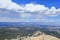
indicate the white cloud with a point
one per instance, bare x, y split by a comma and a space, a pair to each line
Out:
6, 19
35, 7
52, 12
41, 9
25, 15
8, 4
35, 12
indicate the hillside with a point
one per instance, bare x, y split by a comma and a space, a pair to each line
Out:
43, 36
29, 32
38, 35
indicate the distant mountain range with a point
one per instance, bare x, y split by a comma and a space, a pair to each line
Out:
38, 24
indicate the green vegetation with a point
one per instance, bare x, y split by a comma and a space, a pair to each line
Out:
12, 32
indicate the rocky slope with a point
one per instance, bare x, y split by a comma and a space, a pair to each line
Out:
44, 37
41, 36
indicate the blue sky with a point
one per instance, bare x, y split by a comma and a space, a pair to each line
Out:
30, 11
47, 3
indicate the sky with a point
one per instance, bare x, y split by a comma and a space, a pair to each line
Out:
47, 3
47, 11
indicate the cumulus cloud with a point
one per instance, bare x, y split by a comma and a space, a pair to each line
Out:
8, 4
53, 11
35, 7
41, 9
11, 12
